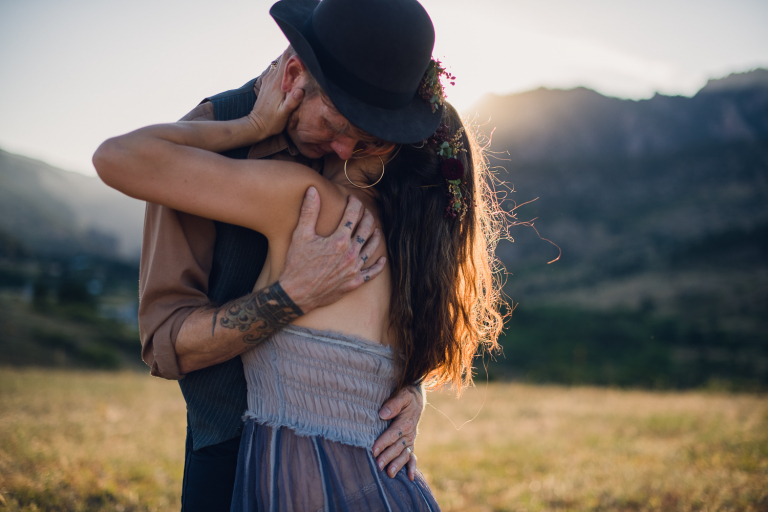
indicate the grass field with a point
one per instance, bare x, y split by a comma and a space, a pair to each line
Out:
72, 441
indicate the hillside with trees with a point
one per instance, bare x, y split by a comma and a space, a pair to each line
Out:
659, 206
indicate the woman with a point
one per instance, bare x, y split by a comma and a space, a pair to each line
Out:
314, 389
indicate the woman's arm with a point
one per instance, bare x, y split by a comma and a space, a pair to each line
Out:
158, 164
268, 117
175, 164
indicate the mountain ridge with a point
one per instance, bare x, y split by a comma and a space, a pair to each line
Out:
560, 125
42, 204
757, 77
54, 210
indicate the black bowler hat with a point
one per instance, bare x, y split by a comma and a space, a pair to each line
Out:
369, 56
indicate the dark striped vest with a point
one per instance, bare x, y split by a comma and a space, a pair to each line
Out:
216, 396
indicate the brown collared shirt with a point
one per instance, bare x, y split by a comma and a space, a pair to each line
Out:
176, 259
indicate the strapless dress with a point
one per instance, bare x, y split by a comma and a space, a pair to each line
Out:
313, 402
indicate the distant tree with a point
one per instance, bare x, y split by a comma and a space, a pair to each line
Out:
75, 292
40, 293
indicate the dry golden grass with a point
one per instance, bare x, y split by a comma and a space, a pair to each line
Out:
555, 448
106, 441
75, 441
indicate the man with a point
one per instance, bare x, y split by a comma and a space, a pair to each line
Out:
192, 268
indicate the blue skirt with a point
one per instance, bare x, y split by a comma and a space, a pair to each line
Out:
278, 470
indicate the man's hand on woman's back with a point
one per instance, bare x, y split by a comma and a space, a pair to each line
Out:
320, 270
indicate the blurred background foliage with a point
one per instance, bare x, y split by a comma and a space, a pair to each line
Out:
77, 311
660, 207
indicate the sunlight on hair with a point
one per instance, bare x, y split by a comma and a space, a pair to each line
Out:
502, 190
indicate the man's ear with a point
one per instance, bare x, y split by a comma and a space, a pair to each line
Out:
293, 75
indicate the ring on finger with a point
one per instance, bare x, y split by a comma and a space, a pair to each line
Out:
408, 449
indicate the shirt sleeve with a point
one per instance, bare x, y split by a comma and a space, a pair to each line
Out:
176, 259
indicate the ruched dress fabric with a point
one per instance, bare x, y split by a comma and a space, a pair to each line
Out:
313, 402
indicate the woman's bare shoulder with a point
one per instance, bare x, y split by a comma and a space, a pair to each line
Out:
283, 186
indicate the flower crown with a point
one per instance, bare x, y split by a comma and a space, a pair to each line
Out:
431, 88
448, 148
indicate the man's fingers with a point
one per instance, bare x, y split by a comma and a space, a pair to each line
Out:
369, 248
310, 210
401, 430
373, 271
400, 461
412, 467
364, 229
394, 458
351, 217
394, 405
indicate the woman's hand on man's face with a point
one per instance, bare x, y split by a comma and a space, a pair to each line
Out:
273, 106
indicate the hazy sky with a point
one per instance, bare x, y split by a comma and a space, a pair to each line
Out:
74, 72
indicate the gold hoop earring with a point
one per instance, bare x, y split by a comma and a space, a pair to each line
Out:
383, 168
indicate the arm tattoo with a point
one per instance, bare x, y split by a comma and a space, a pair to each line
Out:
260, 314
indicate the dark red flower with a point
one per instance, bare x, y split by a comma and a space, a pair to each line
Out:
452, 169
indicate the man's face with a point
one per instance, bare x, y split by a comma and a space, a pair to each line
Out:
318, 129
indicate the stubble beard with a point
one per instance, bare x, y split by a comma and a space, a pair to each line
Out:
293, 122
291, 129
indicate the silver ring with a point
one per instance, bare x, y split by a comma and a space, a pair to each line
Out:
409, 450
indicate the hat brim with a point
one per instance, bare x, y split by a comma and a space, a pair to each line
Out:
413, 123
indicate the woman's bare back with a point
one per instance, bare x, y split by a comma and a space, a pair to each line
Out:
363, 312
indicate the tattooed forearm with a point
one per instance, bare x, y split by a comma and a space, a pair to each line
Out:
260, 314
213, 326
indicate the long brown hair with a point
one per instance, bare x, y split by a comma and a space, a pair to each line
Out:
446, 292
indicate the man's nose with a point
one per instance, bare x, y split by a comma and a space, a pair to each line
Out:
344, 147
